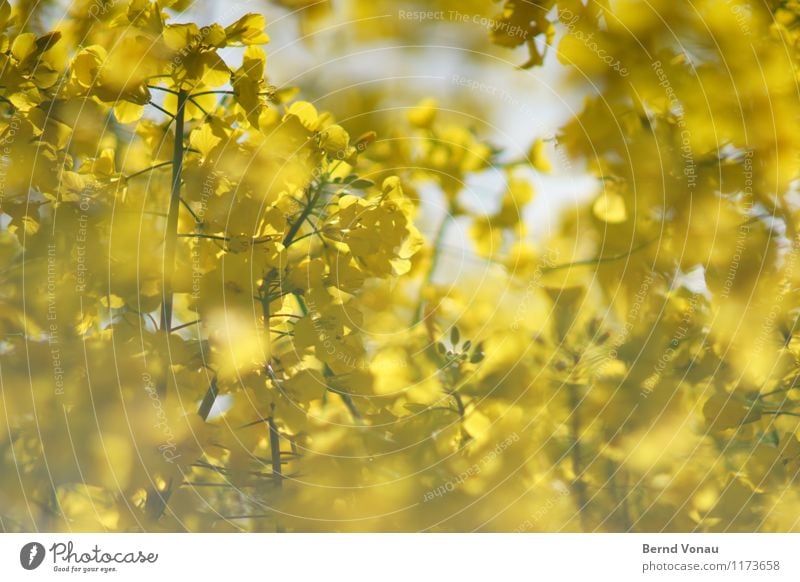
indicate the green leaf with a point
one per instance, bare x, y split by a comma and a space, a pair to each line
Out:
477, 355
362, 184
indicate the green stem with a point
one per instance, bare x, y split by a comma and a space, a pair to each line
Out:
346, 398
213, 93
211, 392
200, 107
156, 501
598, 260
208, 236
171, 240
185, 325
309, 235
208, 400
162, 110
275, 453
146, 170
192, 212
170, 247
438, 238
579, 485
275, 461
164, 89
774, 392
298, 224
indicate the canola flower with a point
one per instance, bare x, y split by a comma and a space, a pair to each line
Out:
219, 312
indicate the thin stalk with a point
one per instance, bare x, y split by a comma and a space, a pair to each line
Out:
275, 452
146, 170
781, 413
190, 211
200, 107
774, 392
577, 464
598, 260
619, 494
346, 398
211, 392
208, 400
171, 240
162, 110
145, 212
309, 235
438, 238
185, 325
164, 89
208, 236
307, 210
213, 93
156, 501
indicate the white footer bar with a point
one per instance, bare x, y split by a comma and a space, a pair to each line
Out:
390, 557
